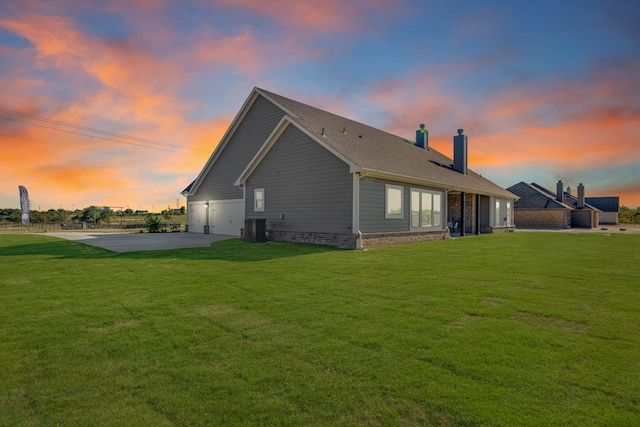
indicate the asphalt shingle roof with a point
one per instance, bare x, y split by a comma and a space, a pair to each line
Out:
379, 151
535, 196
605, 204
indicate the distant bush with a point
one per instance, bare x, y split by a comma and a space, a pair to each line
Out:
152, 223
629, 216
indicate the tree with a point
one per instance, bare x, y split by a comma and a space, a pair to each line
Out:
629, 216
168, 214
94, 214
152, 223
182, 210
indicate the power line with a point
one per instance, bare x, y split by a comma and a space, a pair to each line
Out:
81, 148
154, 144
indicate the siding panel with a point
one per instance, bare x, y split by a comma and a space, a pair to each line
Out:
252, 132
306, 183
372, 207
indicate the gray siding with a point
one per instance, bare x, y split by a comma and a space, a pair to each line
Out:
372, 207
306, 183
252, 132
485, 209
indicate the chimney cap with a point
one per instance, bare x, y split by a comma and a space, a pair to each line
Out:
421, 125
460, 131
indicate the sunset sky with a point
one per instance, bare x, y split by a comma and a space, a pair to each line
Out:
120, 103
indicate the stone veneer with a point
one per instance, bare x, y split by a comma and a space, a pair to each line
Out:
352, 241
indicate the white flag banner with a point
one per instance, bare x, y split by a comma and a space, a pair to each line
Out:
24, 205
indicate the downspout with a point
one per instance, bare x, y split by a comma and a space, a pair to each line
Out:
356, 195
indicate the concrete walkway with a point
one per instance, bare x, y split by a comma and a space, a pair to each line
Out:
136, 242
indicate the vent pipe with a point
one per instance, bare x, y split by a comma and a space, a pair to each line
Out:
580, 203
460, 152
560, 192
422, 137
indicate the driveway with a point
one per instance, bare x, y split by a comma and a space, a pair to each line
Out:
136, 242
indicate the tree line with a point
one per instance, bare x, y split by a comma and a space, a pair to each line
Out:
90, 215
629, 216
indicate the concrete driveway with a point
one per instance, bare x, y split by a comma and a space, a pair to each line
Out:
136, 242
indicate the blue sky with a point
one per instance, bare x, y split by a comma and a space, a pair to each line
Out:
544, 90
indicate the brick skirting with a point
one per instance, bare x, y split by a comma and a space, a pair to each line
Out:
353, 241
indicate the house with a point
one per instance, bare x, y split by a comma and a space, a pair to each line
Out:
307, 175
610, 207
538, 207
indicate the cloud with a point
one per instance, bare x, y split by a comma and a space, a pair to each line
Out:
324, 17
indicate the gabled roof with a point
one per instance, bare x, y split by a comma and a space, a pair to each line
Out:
605, 204
535, 196
373, 151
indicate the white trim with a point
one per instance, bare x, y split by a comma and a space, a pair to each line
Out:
286, 110
248, 103
443, 207
387, 215
271, 140
256, 208
262, 151
355, 212
435, 184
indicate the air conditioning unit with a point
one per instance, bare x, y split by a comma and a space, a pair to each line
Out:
255, 230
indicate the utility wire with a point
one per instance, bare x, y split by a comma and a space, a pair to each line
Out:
81, 148
167, 146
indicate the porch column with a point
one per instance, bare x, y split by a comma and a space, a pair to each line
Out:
463, 208
477, 214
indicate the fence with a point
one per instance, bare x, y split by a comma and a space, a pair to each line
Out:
72, 226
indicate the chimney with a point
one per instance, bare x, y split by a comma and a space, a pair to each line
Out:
422, 137
580, 203
559, 192
460, 152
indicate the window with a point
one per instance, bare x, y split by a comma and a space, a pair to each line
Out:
502, 213
258, 200
393, 202
426, 209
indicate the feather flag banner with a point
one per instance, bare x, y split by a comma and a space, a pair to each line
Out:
24, 205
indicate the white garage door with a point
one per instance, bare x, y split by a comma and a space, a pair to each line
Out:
226, 217
196, 219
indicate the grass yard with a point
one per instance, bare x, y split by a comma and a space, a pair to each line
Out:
515, 329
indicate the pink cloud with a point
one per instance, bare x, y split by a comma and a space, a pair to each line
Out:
325, 16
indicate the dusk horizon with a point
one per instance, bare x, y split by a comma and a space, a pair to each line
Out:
122, 104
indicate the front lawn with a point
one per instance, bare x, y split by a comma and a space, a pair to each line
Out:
515, 329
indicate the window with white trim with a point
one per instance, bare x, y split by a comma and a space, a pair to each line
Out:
502, 213
393, 201
258, 200
426, 209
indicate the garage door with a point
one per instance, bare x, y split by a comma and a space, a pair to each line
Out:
226, 217
196, 212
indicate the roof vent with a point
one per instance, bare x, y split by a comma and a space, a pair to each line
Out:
422, 137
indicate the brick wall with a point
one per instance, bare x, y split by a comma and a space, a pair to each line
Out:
455, 213
541, 218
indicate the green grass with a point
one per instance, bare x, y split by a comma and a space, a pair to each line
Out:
515, 329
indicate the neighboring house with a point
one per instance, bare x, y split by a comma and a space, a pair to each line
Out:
540, 208
311, 176
610, 207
